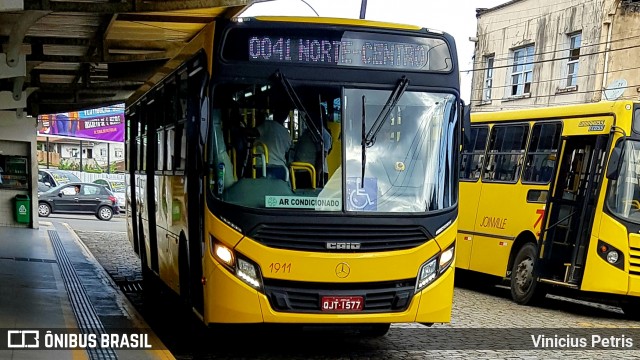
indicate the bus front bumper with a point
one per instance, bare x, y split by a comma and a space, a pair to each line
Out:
230, 300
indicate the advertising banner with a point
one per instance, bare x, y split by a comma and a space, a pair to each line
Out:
102, 124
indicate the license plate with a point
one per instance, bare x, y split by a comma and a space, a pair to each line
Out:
341, 303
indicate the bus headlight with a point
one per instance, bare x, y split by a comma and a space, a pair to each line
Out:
241, 267
611, 254
433, 268
427, 274
445, 259
248, 272
223, 254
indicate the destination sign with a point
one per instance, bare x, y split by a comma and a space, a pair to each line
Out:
345, 52
343, 49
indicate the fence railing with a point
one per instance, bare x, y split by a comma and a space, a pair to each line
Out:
90, 177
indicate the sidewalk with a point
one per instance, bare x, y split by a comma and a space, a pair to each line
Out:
50, 281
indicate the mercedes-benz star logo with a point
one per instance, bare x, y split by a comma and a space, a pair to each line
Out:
343, 270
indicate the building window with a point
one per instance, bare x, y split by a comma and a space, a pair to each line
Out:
103, 152
118, 153
574, 57
522, 71
75, 152
488, 78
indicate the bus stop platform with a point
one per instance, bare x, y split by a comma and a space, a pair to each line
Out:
52, 290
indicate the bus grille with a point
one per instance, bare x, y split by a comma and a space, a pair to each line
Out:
634, 261
293, 296
312, 237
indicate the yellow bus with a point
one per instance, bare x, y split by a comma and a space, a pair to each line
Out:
246, 162
551, 201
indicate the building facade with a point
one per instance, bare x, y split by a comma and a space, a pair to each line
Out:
94, 153
538, 53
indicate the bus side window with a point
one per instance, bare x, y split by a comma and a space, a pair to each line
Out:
541, 155
473, 153
506, 151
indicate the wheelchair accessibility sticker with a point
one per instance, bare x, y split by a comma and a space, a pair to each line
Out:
362, 198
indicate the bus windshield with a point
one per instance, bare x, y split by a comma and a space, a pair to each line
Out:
407, 168
623, 198
270, 147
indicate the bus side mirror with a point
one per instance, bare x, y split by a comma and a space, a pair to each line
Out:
613, 168
466, 121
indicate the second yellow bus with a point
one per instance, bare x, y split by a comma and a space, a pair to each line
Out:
550, 200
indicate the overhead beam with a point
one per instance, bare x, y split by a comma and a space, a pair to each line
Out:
18, 31
145, 45
136, 70
79, 6
154, 17
108, 58
128, 6
54, 72
61, 58
37, 107
170, 5
50, 40
65, 88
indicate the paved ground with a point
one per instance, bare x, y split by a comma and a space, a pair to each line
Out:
477, 313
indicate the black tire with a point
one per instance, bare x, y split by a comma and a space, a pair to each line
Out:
525, 289
151, 290
44, 209
183, 269
374, 330
104, 213
631, 308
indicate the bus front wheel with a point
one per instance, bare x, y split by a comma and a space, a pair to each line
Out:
631, 308
525, 289
374, 330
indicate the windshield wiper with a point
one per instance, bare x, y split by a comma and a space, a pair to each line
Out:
370, 138
297, 103
392, 101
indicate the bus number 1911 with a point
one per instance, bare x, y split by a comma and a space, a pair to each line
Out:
280, 267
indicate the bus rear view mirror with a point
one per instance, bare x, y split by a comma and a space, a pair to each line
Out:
613, 169
466, 121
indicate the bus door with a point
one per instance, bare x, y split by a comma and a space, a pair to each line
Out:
570, 210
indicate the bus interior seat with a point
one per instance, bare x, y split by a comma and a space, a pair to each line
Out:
277, 172
260, 154
298, 167
260, 159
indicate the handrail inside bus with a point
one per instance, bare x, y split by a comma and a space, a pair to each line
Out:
558, 222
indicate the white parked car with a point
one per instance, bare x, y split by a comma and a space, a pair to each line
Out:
117, 187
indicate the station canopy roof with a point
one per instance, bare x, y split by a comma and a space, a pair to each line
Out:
84, 54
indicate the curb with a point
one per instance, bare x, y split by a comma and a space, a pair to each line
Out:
135, 317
